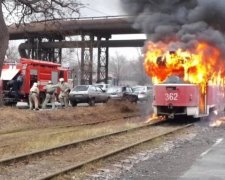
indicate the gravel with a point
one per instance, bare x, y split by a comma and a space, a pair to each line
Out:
168, 161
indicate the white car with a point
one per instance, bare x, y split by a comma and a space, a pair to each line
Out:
104, 87
144, 93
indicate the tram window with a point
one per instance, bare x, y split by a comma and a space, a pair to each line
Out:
33, 79
33, 76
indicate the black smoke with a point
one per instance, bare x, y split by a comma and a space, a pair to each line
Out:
187, 21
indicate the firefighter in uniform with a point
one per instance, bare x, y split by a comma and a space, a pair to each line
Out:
50, 95
64, 93
33, 96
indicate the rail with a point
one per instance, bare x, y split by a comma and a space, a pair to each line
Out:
56, 171
68, 169
37, 153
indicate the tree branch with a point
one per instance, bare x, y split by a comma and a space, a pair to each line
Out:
42, 10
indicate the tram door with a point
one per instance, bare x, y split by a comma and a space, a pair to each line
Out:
203, 99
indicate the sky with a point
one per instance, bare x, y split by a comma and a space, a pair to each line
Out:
101, 8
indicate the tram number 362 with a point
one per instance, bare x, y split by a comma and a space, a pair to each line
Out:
171, 96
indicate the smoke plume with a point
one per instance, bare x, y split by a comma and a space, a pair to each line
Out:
184, 21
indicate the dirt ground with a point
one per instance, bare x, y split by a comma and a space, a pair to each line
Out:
60, 159
13, 119
23, 131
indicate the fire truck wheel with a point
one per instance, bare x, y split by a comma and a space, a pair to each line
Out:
41, 98
106, 101
91, 102
73, 103
10, 103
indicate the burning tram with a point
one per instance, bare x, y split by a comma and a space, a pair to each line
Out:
175, 97
188, 83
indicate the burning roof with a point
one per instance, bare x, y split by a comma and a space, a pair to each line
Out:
192, 29
201, 65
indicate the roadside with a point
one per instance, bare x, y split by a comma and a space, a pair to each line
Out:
14, 119
28, 131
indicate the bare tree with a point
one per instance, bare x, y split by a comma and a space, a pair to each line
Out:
140, 74
116, 66
4, 37
12, 54
24, 11
129, 70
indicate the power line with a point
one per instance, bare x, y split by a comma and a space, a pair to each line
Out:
101, 12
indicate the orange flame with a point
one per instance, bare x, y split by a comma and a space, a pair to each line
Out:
154, 117
217, 123
201, 65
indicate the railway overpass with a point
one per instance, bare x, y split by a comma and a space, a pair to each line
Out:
45, 40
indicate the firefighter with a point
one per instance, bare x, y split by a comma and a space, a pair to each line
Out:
50, 95
64, 93
19, 80
33, 96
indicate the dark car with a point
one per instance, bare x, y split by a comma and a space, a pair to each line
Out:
122, 93
87, 94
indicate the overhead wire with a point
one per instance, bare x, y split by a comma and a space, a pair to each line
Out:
98, 11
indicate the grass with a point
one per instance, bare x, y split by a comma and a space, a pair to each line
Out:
46, 129
45, 140
13, 119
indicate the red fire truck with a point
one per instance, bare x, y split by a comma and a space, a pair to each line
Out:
17, 79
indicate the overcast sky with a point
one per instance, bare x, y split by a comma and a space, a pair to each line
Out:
101, 8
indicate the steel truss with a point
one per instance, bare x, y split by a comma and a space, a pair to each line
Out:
103, 61
87, 60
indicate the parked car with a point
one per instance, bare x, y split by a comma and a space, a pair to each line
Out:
122, 93
104, 87
144, 93
87, 94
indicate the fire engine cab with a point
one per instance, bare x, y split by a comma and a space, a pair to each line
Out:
17, 79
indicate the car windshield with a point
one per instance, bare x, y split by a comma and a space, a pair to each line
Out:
100, 86
114, 90
81, 88
138, 89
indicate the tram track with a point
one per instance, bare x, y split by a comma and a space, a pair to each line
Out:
19, 136
26, 155
89, 144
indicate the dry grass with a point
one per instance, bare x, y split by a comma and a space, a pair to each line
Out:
13, 119
124, 106
54, 127
39, 139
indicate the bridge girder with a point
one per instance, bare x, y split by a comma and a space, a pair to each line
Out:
55, 32
97, 27
80, 44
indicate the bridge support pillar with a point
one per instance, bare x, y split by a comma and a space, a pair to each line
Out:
103, 62
87, 60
